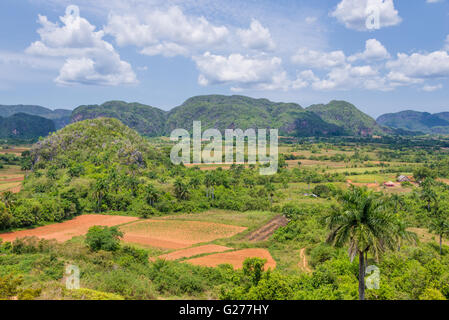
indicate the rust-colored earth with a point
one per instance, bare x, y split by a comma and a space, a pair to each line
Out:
234, 258
264, 232
66, 230
195, 251
173, 234
13, 179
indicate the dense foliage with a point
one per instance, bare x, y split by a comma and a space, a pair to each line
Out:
417, 121
144, 119
60, 117
25, 126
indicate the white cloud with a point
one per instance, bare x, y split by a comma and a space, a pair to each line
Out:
238, 69
421, 66
434, 1
349, 77
318, 59
89, 59
429, 88
256, 37
166, 49
169, 32
374, 50
304, 79
355, 13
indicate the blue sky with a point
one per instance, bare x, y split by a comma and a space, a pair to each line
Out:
381, 55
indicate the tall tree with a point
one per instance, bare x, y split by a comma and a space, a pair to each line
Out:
365, 225
440, 220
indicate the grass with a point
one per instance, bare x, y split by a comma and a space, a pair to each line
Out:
249, 219
425, 236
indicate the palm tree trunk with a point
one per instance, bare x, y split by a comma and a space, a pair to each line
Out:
441, 244
361, 276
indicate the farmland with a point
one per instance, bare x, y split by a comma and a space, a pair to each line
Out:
141, 228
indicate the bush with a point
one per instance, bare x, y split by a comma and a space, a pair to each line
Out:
322, 191
88, 294
103, 238
9, 286
5, 217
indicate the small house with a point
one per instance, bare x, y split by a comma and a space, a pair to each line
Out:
403, 178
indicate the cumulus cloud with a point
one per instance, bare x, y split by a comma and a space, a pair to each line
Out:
421, 66
354, 14
348, 77
89, 59
318, 59
374, 50
238, 69
169, 32
256, 37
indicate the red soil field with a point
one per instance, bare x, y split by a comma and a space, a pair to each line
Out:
190, 252
234, 258
66, 230
173, 234
13, 179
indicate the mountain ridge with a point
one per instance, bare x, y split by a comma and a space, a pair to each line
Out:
437, 123
336, 118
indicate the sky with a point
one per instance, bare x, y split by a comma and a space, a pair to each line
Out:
381, 55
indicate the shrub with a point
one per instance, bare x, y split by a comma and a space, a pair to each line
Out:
88, 294
9, 286
103, 238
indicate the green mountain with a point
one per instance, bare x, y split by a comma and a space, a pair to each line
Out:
25, 126
60, 117
230, 112
102, 141
348, 117
417, 121
146, 120
214, 111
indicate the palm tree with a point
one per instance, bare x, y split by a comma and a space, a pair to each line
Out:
210, 181
364, 224
440, 220
152, 195
181, 189
8, 198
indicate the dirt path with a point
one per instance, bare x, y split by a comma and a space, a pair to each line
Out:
303, 263
264, 232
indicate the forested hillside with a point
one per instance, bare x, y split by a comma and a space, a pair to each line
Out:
347, 116
425, 122
25, 126
60, 117
146, 120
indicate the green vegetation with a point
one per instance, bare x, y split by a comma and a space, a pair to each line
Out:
146, 120
102, 166
23, 126
60, 117
347, 116
103, 238
229, 112
417, 121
